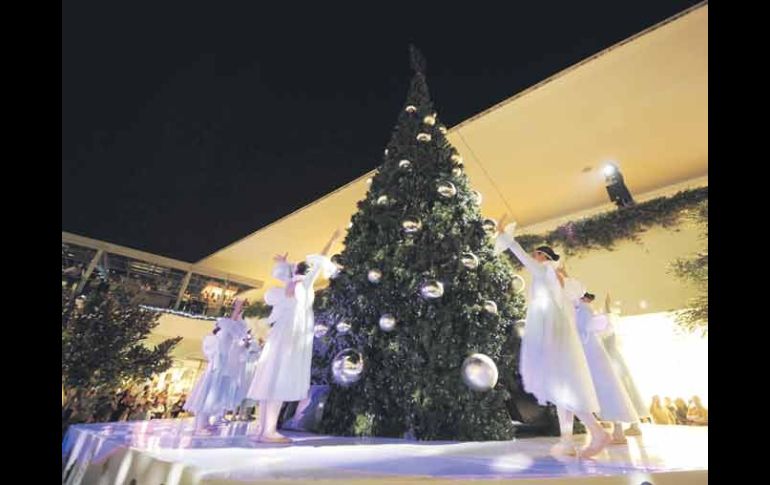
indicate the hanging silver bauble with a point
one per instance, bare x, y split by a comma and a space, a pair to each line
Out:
447, 189
518, 283
386, 152
476, 196
479, 372
382, 200
411, 225
423, 137
387, 322
347, 367
442, 129
490, 307
404, 164
457, 171
469, 260
432, 289
429, 120
342, 327
320, 330
456, 159
519, 326
490, 227
410, 109
374, 275
369, 181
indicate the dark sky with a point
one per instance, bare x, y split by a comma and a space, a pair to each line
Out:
185, 128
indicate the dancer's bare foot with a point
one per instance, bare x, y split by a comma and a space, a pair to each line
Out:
274, 438
618, 438
598, 443
634, 430
564, 448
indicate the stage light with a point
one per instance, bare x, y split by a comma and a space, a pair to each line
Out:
616, 187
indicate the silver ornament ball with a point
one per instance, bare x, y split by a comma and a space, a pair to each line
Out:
479, 373
518, 284
490, 307
347, 367
447, 189
432, 289
519, 326
404, 164
490, 227
374, 275
342, 327
387, 322
411, 225
469, 260
423, 137
320, 330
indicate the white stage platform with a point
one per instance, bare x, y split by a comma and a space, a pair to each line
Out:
167, 452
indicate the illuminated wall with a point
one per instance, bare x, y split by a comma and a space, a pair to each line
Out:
663, 360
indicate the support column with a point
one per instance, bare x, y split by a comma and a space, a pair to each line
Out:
182, 289
89, 271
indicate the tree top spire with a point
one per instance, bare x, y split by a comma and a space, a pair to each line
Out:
417, 60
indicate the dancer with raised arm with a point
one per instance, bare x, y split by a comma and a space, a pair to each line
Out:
614, 403
283, 369
216, 391
552, 363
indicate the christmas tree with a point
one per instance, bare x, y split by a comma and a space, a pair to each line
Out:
103, 346
419, 291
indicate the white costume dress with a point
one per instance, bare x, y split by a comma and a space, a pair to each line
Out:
206, 396
614, 402
232, 352
283, 369
609, 341
552, 363
249, 365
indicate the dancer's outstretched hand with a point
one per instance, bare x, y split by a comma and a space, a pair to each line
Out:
280, 258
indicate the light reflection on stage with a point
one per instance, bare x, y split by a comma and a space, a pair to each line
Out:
171, 452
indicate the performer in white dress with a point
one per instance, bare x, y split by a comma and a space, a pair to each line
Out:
610, 342
283, 369
552, 363
205, 398
249, 365
232, 353
216, 390
614, 403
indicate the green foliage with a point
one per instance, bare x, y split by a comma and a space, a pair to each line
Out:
605, 230
102, 343
256, 310
695, 271
412, 380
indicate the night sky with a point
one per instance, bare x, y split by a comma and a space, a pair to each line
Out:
186, 128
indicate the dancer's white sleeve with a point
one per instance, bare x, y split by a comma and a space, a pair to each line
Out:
320, 265
510, 243
282, 271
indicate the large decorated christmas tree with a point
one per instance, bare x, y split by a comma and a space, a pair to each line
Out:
419, 292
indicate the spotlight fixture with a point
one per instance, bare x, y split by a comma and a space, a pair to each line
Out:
616, 187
